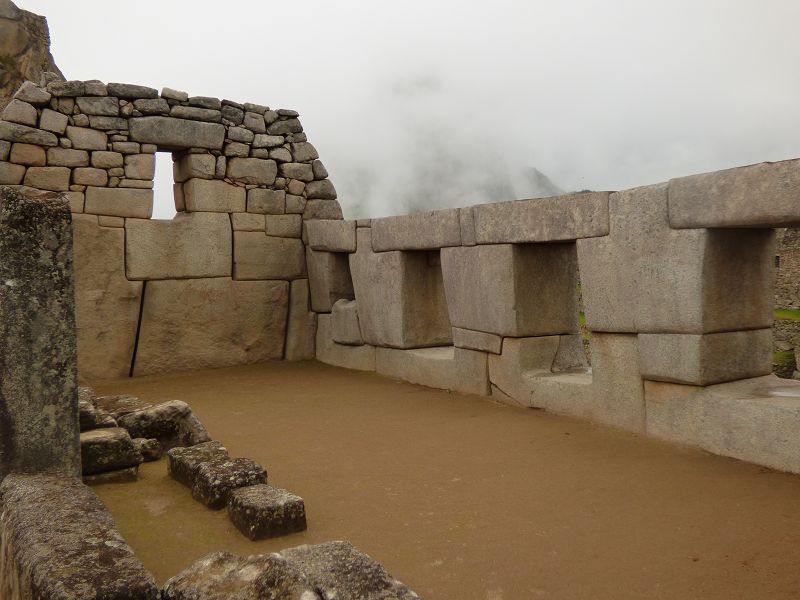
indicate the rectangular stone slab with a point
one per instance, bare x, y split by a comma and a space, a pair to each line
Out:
422, 231
260, 256
168, 132
261, 511
331, 235
762, 195
119, 202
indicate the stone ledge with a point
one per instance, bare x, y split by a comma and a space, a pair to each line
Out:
422, 231
331, 235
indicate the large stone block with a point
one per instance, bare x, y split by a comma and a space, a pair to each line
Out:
190, 245
83, 138
420, 231
108, 449
202, 166
106, 303
329, 279
361, 358
514, 290
618, 388
55, 179
262, 511
344, 319
259, 256
561, 218
443, 367
706, 359
254, 171
646, 277
11, 174
332, 235
59, 541
13, 132
119, 202
38, 381
477, 340
763, 195
757, 420
207, 323
203, 195
302, 325
169, 132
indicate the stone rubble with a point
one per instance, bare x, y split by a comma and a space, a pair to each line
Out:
108, 449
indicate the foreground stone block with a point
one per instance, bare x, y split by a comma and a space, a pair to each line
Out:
220, 323
517, 290
339, 570
168, 132
763, 195
260, 256
108, 449
706, 359
106, 303
332, 235
171, 423
38, 380
190, 245
262, 511
328, 278
422, 231
119, 202
216, 479
223, 576
682, 278
561, 218
361, 358
344, 320
213, 196
60, 542
183, 462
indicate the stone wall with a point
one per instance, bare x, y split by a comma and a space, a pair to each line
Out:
787, 280
677, 281
225, 281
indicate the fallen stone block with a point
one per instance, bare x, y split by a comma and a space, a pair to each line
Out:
224, 576
183, 462
172, 423
107, 449
89, 415
216, 479
339, 570
60, 543
150, 449
262, 511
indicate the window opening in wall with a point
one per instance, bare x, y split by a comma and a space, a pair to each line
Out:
164, 205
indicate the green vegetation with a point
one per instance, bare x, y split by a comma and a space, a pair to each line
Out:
786, 314
783, 357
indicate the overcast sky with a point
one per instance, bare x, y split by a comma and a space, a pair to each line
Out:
425, 104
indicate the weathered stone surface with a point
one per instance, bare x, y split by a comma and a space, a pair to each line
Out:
183, 462
266, 202
89, 415
344, 321
107, 449
213, 196
267, 141
262, 511
216, 479
401, 298
106, 303
59, 541
152, 106
757, 420
329, 279
255, 122
339, 570
562, 218
300, 171
361, 358
129, 90
443, 367
196, 113
706, 359
618, 389
13, 132
236, 149
169, 132
332, 235
119, 202
285, 127
302, 325
467, 223
149, 449
288, 226
512, 289
196, 337
194, 165
172, 94
247, 222
33, 94
11, 174
281, 155
83, 138
764, 195
38, 414
54, 179
69, 89
233, 114
53, 121
28, 154
223, 576
126, 475
417, 232
65, 157
119, 405
106, 123
107, 160
477, 340
171, 423
304, 152
90, 176
106, 105
106, 221
683, 278
157, 249
259, 256
241, 134
140, 166
319, 209
320, 172
20, 112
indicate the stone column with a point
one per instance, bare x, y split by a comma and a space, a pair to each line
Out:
38, 388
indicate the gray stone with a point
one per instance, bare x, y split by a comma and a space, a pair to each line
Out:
339, 570
171, 94
467, 223
95, 87
126, 147
304, 152
296, 187
183, 462
477, 340
88, 558
214, 196
103, 105
281, 155
270, 202
361, 358
108, 123
28, 154
618, 389
252, 170
32, 94
763, 195
320, 172
152, 106
107, 449
119, 202
5, 149
87, 139
300, 171
205, 102
561, 218
194, 165
237, 149
420, 231
66, 157
240, 134
322, 189
344, 323
140, 166
256, 108
216, 479
262, 511
332, 235
53, 121
321, 209
288, 226
223, 576
126, 475
285, 127
705, 359
171, 423
20, 112
329, 279
107, 160
253, 328
89, 415
233, 114
11, 174
55, 179
196, 114
127, 90
136, 183
302, 325
177, 133
69, 89
14, 132
259, 256
80, 120
150, 450
38, 414
255, 122
267, 141
270, 117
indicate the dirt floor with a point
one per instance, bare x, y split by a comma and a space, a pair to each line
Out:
461, 498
